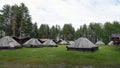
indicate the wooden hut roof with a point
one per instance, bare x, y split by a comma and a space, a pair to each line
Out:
99, 43
8, 41
110, 43
33, 41
115, 35
70, 42
82, 43
49, 43
63, 42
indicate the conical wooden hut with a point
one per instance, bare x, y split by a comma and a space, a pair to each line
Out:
49, 43
63, 42
99, 43
70, 42
9, 42
82, 44
32, 43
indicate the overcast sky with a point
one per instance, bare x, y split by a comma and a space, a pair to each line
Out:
76, 12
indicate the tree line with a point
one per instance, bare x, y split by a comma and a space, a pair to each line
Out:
98, 31
15, 20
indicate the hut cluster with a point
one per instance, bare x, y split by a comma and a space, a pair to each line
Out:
14, 42
81, 44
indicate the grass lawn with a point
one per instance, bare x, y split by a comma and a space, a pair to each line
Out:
59, 57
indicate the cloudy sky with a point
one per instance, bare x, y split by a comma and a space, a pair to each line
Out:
76, 12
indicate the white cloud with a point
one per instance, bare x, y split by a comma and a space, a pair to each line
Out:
77, 12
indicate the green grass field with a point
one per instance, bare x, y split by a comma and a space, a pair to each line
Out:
59, 57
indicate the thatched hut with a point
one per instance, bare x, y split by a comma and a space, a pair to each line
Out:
32, 43
9, 42
49, 43
99, 43
82, 44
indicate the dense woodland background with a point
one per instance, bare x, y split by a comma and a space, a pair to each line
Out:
17, 18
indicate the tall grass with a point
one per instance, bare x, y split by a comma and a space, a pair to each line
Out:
59, 56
